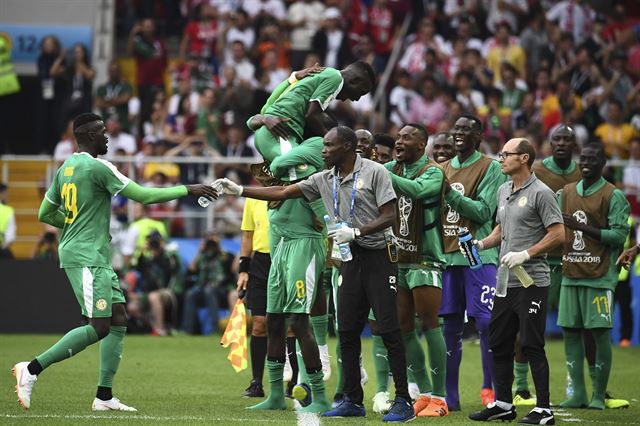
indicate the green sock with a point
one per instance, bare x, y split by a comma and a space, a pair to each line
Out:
381, 364
602, 337
302, 370
275, 400
319, 325
320, 402
437, 360
521, 371
70, 344
574, 351
110, 354
592, 375
416, 361
340, 379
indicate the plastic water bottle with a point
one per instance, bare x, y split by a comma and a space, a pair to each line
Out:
522, 275
471, 252
345, 250
204, 201
502, 281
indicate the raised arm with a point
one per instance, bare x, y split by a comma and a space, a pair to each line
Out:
272, 193
427, 185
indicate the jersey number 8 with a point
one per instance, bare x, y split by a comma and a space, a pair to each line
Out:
70, 197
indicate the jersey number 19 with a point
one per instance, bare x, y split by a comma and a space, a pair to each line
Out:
70, 197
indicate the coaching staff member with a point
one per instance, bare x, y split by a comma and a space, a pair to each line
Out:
358, 192
529, 224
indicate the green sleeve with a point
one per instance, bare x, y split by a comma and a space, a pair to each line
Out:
618, 216
427, 185
50, 214
145, 195
309, 152
327, 86
275, 95
481, 209
102, 91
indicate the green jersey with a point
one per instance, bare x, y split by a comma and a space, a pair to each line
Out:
614, 236
480, 210
428, 189
82, 188
293, 103
294, 219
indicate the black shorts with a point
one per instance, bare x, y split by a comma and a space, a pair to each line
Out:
369, 281
256, 297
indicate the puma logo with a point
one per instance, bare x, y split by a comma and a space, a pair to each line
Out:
536, 304
600, 366
393, 287
449, 353
434, 371
606, 316
385, 357
570, 364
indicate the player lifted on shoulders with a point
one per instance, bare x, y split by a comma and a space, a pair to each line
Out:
79, 202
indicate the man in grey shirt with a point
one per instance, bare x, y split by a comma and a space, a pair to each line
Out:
358, 193
529, 224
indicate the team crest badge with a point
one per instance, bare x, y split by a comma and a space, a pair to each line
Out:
101, 304
522, 201
339, 280
359, 184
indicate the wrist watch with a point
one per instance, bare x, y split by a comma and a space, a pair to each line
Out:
356, 232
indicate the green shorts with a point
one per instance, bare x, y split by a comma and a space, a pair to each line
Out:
555, 276
585, 307
296, 271
412, 278
96, 289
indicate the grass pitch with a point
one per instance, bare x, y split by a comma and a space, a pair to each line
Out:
188, 380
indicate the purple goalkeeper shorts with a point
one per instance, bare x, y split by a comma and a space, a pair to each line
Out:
465, 288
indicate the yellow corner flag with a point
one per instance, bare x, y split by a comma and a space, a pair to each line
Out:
236, 335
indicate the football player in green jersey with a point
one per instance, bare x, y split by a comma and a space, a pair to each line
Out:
79, 202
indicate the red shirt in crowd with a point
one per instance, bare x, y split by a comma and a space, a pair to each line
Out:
151, 62
381, 29
202, 37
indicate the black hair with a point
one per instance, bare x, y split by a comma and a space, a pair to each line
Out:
421, 129
384, 140
365, 68
84, 118
598, 147
526, 147
346, 135
474, 119
464, 73
508, 66
445, 135
615, 101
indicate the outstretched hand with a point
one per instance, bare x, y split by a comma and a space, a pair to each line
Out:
202, 190
229, 187
276, 126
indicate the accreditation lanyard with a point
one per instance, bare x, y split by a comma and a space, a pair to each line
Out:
336, 196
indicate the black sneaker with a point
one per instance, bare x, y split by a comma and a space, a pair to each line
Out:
337, 400
493, 412
539, 416
254, 390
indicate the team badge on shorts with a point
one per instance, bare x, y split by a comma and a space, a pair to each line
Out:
101, 304
522, 201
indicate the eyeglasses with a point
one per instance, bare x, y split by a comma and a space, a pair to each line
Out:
504, 154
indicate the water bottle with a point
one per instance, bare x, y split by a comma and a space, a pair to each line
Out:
502, 281
471, 252
522, 275
344, 249
204, 201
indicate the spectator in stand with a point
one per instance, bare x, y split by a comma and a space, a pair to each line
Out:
401, 97
363, 50
7, 224
496, 120
505, 11
535, 40
615, 134
303, 18
200, 37
275, 74
245, 70
428, 109
159, 148
413, 59
119, 139
236, 28
182, 123
236, 147
583, 72
573, 16
382, 30
504, 48
458, 11
474, 63
184, 89
150, 53
113, 97
527, 117
330, 42
469, 98
46, 247
631, 177
236, 98
50, 110
620, 83
154, 127
271, 38
261, 10
511, 94
213, 285
208, 122
80, 76
66, 146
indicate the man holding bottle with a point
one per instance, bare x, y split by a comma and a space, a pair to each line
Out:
529, 225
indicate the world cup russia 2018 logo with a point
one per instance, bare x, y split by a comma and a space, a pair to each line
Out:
452, 215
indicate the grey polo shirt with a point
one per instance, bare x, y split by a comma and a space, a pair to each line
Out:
373, 190
524, 216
